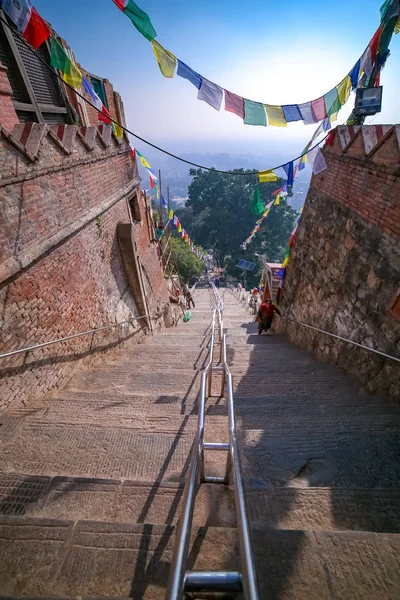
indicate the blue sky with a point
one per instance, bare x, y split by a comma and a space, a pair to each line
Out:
273, 52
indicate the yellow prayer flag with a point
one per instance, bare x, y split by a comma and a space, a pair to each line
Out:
266, 212
171, 214
266, 176
285, 262
74, 77
277, 201
304, 158
144, 162
333, 117
166, 60
275, 115
397, 26
119, 132
344, 89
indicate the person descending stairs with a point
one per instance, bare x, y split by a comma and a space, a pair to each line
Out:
92, 476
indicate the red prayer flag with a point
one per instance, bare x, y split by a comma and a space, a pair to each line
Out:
276, 191
373, 46
104, 117
134, 154
37, 31
234, 104
151, 183
120, 4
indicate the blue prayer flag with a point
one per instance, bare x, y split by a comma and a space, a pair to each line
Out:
288, 168
188, 73
354, 74
292, 112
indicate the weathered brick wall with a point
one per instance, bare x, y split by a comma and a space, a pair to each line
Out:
344, 270
64, 191
8, 116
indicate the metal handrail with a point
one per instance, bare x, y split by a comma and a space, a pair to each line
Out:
334, 335
181, 580
339, 337
71, 337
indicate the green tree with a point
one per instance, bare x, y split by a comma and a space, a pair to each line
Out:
223, 219
186, 263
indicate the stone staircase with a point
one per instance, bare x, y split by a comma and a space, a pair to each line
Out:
91, 478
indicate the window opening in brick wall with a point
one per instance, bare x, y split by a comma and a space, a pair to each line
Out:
37, 95
134, 207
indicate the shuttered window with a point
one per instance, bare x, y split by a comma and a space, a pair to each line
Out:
37, 94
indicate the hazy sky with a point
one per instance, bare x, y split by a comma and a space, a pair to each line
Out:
272, 52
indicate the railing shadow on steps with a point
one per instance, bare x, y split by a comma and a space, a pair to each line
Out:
181, 580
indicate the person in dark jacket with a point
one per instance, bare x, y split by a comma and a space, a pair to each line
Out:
265, 315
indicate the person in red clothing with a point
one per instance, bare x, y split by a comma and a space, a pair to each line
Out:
265, 315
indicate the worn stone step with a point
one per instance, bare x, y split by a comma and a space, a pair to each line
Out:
87, 450
322, 458
86, 558
125, 501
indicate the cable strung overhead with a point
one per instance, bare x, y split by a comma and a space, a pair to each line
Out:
105, 116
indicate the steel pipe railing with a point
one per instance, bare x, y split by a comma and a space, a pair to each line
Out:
181, 580
237, 295
73, 336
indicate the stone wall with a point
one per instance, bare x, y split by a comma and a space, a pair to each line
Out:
64, 190
344, 271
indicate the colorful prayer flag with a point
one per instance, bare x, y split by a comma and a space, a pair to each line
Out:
277, 200
143, 160
234, 104
332, 102
171, 214
276, 117
254, 113
307, 113
318, 108
139, 18
317, 160
59, 59
104, 114
289, 170
355, 74
119, 132
366, 61
166, 60
37, 31
344, 89
266, 176
188, 73
211, 93
256, 205
292, 112
27, 20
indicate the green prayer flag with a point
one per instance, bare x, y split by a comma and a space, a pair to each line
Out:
59, 59
140, 20
332, 102
256, 205
254, 113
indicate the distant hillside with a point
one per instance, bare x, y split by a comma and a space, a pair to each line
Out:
175, 174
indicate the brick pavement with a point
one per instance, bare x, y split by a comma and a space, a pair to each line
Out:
91, 477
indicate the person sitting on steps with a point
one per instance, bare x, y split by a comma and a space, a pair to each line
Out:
265, 316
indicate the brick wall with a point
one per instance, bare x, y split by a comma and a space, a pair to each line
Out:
8, 116
344, 271
64, 191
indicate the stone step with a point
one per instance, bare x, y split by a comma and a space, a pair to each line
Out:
322, 458
89, 450
125, 501
65, 558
